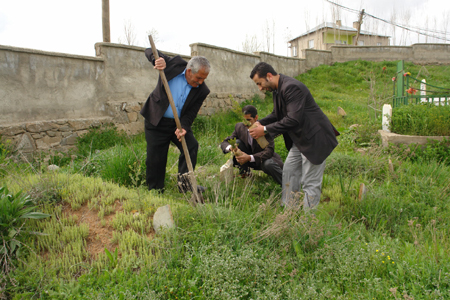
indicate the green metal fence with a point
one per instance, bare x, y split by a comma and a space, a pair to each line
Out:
404, 93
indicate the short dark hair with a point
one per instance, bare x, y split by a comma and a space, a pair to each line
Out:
249, 110
261, 69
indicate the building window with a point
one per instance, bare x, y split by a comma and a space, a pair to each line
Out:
294, 51
360, 43
338, 42
311, 44
378, 44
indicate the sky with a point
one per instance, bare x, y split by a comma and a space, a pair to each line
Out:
74, 27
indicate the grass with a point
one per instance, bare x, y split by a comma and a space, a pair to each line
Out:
392, 244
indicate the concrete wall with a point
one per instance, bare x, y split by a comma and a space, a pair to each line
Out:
48, 99
417, 53
289, 66
230, 70
37, 85
371, 53
129, 76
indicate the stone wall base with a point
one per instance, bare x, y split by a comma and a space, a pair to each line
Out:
61, 135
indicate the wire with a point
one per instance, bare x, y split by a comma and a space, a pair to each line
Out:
421, 31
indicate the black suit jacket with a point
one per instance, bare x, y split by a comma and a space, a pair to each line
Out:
301, 121
158, 101
241, 132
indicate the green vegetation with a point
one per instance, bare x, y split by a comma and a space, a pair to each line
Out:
98, 243
421, 119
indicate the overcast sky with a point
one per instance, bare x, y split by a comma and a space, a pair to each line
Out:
75, 26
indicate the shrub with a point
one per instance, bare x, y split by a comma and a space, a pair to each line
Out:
99, 139
120, 164
5, 151
423, 119
15, 209
438, 151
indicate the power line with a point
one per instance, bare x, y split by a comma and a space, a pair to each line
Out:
421, 31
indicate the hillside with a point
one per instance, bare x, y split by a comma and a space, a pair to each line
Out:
386, 241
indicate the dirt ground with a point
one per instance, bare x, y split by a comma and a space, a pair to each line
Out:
99, 236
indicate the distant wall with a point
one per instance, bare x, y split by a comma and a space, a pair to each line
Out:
48, 97
417, 53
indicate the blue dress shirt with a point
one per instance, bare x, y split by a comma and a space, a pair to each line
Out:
180, 88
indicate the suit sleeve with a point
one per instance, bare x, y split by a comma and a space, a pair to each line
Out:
269, 119
294, 98
151, 57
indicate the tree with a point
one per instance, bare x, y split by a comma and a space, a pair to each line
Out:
392, 20
406, 16
251, 44
155, 35
129, 34
269, 36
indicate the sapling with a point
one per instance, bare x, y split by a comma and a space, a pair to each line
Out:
234, 148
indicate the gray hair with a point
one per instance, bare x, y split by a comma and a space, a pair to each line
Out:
198, 62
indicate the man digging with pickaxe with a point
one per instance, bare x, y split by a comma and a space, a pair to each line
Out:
180, 91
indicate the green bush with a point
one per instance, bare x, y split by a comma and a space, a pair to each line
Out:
99, 139
15, 209
434, 150
5, 152
425, 119
119, 164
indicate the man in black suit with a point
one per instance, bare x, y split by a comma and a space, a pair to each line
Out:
186, 82
308, 134
253, 156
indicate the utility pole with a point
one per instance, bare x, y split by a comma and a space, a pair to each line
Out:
105, 22
361, 15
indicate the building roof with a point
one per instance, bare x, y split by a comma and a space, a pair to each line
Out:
334, 26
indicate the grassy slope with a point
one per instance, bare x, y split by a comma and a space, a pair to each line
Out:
241, 245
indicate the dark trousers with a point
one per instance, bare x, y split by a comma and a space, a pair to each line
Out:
269, 166
158, 140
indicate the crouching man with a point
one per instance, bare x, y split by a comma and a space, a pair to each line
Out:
251, 154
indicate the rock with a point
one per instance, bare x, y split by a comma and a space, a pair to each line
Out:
52, 168
26, 143
70, 140
131, 128
79, 124
38, 127
132, 116
341, 112
51, 133
163, 219
41, 145
12, 130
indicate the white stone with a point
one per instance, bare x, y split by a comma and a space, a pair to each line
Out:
163, 219
52, 168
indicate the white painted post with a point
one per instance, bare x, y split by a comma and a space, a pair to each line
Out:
387, 114
423, 90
